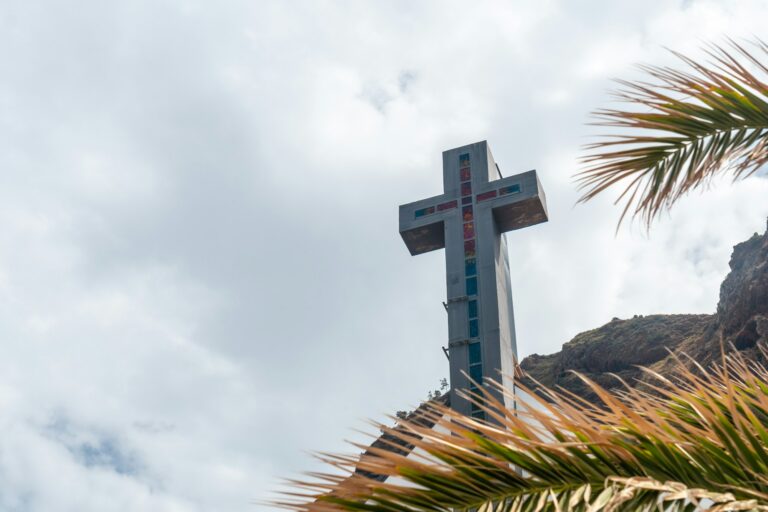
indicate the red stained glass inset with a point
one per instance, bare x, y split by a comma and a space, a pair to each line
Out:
466, 213
465, 174
466, 189
469, 230
447, 206
486, 195
469, 249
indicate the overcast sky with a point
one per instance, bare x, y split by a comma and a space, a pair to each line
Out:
201, 278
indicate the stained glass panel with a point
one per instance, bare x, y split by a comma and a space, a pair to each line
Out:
466, 200
464, 160
512, 189
466, 189
465, 174
466, 213
469, 230
472, 309
476, 373
472, 286
486, 195
470, 267
474, 328
447, 206
469, 249
424, 211
474, 353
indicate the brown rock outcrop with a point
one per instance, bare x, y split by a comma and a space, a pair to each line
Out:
622, 346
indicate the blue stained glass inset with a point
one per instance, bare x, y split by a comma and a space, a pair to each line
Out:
472, 308
474, 328
474, 353
424, 211
476, 373
470, 267
466, 200
512, 189
472, 286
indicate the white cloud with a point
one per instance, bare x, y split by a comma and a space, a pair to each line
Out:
200, 271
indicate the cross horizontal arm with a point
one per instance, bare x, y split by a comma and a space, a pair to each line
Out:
516, 201
422, 223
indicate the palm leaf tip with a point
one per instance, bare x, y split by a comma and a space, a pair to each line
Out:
681, 128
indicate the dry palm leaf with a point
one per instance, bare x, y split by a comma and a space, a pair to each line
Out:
699, 441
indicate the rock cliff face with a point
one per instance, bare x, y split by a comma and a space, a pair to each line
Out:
620, 346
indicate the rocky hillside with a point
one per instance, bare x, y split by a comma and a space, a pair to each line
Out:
621, 346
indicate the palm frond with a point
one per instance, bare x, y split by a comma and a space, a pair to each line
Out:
681, 128
698, 440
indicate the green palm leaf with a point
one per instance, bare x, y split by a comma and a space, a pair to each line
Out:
695, 441
681, 129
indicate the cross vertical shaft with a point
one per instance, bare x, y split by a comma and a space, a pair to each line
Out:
469, 220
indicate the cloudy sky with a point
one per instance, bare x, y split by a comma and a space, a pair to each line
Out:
201, 278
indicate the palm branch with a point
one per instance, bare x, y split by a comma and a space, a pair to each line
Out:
697, 440
682, 128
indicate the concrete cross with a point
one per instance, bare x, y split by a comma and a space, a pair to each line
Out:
469, 220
